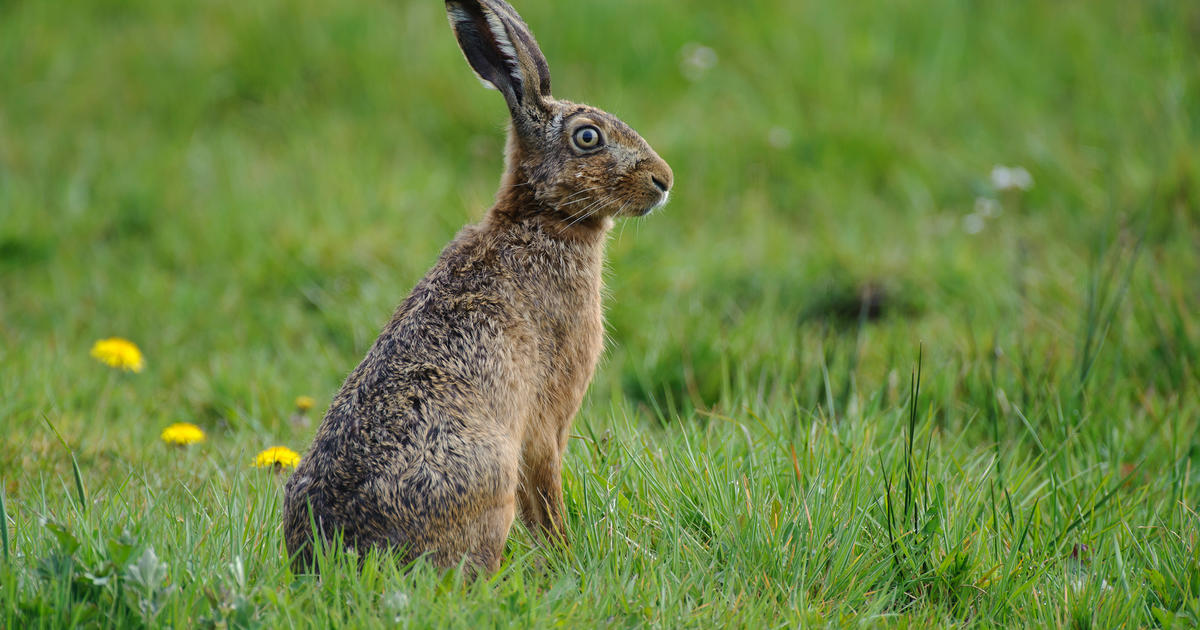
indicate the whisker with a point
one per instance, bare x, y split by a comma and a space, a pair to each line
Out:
595, 201
592, 209
570, 203
580, 192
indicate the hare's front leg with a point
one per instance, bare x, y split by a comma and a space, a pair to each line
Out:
540, 495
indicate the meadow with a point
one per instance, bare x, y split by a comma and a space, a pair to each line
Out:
914, 344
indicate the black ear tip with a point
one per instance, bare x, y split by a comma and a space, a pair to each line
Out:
461, 9
500, 49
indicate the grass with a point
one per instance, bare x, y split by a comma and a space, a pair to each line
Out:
247, 191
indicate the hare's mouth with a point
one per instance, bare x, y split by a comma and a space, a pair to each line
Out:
662, 201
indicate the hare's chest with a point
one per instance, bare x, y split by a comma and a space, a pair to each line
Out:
570, 343
575, 339
585, 346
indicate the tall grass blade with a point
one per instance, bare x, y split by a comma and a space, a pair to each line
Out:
80, 490
3, 525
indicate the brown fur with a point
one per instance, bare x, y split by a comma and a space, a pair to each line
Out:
458, 417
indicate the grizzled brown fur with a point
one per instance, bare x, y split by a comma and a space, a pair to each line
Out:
458, 417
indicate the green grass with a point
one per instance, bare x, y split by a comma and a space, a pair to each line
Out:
246, 190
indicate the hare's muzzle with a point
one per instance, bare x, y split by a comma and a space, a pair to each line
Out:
661, 179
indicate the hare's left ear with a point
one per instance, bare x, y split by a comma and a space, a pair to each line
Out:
503, 53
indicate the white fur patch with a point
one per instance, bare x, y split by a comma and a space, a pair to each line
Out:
661, 202
506, 46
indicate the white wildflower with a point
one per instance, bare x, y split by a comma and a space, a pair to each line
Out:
779, 137
987, 208
1011, 178
696, 60
973, 223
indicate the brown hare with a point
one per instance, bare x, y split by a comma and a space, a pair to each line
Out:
458, 417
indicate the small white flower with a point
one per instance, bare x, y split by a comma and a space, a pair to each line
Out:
987, 208
779, 137
696, 60
973, 223
1080, 583
1011, 178
396, 602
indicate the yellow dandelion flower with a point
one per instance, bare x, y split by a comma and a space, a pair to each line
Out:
304, 403
182, 434
119, 353
277, 456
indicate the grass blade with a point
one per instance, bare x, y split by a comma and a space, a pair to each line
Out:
3, 525
80, 490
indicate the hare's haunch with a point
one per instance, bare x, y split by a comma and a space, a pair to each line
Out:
458, 417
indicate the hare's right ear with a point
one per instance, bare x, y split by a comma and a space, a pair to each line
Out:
503, 54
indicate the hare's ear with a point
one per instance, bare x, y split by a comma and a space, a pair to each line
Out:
502, 52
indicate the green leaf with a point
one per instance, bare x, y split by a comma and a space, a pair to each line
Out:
120, 549
102, 577
66, 540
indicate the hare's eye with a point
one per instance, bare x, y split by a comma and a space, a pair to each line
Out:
586, 138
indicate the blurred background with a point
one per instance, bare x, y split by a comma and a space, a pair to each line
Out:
247, 190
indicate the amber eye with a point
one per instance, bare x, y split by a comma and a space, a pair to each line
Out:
586, 138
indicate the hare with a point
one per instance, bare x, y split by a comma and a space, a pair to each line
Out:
458, 417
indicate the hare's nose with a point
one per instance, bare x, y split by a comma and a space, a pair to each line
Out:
661, 175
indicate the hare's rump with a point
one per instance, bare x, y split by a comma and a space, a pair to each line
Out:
453, 496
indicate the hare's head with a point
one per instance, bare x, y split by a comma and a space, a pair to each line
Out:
569, 161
